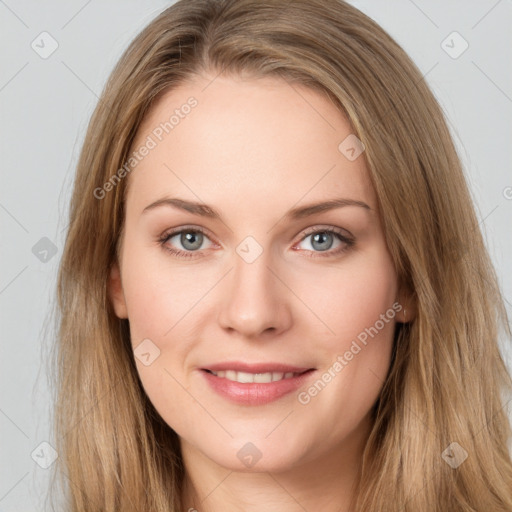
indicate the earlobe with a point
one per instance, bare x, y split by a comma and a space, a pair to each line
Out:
405, 305
115, 292
408, 312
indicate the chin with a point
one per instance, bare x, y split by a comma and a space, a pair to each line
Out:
244, 456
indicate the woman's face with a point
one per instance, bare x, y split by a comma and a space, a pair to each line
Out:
272, 286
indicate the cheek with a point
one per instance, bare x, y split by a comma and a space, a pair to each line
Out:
355, 302
358, 308
352, 296
164, 306
158, 297
159, 304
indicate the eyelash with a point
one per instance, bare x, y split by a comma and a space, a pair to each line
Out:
348, 241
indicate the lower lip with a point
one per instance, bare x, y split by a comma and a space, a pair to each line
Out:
255, 393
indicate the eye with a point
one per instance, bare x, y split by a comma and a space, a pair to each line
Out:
191, 239
322, 240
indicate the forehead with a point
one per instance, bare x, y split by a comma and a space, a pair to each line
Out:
257, 142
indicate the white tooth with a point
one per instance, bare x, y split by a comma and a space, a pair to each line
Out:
263, 377
244, 377
230, 374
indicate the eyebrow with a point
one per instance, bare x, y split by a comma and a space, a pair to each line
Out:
204, 210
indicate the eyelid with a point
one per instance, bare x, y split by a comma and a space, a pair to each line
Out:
319, 228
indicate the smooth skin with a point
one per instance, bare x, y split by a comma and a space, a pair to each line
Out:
253, 149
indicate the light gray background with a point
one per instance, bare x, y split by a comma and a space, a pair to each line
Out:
46, 105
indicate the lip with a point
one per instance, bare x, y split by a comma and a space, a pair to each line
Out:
255, 367
255, 393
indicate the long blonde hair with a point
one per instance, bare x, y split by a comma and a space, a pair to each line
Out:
447, 376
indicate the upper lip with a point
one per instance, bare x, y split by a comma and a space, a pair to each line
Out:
255, 367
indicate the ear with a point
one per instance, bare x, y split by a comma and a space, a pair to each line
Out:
115, 292
408, 311
406, 304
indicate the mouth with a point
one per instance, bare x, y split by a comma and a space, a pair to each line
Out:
255, 384
259, 378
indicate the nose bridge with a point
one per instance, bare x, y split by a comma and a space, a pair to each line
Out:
255, 300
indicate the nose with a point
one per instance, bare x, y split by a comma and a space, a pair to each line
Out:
255, 299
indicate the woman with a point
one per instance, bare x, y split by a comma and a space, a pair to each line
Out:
210, 356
